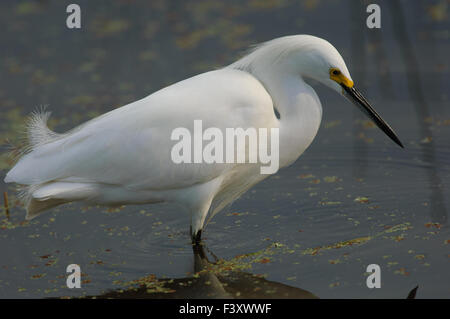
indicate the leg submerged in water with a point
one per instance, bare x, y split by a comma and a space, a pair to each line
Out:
197, 237
197, 222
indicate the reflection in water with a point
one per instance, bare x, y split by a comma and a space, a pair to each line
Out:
359, 57
427, 30
384, 75
359, 49
438, 210
208, 282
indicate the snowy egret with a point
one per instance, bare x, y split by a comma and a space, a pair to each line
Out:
123, 156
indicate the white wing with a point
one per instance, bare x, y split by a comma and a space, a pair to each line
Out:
131, 146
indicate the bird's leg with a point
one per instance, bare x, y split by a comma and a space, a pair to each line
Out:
198, 216
197, 238
197, 222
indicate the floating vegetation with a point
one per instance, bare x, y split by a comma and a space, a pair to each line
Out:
7, 224
110, 27
346, 243
331, 179
356, 241
361, 199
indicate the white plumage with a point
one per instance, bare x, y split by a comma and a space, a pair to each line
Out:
123, 156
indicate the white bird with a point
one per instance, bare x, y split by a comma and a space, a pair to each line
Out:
123, 156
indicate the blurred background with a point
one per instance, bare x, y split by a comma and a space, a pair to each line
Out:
353, 199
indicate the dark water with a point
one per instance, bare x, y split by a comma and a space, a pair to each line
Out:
352, 199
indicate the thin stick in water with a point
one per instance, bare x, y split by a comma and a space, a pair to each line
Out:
5, 201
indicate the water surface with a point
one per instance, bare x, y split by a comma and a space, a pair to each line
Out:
353, 199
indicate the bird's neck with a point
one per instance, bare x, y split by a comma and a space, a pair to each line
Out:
300, 112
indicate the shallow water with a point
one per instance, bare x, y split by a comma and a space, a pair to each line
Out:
352, 199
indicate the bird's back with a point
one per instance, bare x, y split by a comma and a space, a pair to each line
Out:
131, 145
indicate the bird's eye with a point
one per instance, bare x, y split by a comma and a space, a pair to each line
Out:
336, 72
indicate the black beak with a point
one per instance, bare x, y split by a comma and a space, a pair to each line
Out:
358, 99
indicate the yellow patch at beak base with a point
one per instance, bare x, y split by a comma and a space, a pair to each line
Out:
336, 75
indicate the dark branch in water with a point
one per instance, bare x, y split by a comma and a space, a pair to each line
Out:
412, 293
5, 202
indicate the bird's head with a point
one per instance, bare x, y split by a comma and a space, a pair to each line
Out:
310, 57
318, 59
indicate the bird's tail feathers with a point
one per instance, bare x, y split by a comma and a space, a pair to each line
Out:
39, 198
36, 134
